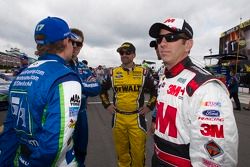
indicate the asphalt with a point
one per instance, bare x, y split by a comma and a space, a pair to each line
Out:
101, 149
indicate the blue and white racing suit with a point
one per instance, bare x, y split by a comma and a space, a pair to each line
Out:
44, 103
91, 87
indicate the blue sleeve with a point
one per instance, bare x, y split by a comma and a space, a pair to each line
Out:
91, 87
8, 142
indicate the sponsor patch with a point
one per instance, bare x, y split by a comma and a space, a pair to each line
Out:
212, 130
211, 119
181, 80
211, 104
72, 123
209, 163
175, 90
213, 149
73, 111
75, 100
211, 113
119, 76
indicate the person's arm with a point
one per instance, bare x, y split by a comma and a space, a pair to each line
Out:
8, 141
105, 86
213, 130
91, 87
151, 85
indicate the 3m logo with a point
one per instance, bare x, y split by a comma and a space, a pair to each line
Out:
168, 120
212, 130
175, 90
169, 20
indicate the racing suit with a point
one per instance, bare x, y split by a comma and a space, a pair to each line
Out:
42, 114
195, 124
129, 127
90, 88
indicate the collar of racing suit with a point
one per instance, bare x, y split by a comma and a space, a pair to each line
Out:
177, 68
128, 69
52, 57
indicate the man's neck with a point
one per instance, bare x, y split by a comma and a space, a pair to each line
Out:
170, 66
130, 65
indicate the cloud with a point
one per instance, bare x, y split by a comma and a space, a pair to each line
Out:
107, 24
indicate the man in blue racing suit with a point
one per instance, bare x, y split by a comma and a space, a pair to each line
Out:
90, 88
44, 103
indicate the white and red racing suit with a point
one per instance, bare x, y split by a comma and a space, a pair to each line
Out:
195, 124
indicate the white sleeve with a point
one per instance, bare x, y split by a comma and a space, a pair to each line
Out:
213, 130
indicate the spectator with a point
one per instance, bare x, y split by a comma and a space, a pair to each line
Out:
24, 60
85, 62
100, 73
233, 87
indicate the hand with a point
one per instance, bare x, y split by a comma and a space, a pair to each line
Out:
144, 110
91, 79
111, 109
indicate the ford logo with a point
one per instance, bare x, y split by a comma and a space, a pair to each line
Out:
211, 113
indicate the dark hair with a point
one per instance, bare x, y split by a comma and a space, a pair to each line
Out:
85, 62
77, 32
53, 48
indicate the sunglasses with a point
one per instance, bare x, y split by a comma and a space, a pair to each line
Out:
125, 52
170, 37
76, 44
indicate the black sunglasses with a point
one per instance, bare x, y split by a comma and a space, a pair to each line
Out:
125, 52
170, 37
77, 44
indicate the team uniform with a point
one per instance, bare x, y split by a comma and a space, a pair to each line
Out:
90, 88
129, 127
194, 125
42, 114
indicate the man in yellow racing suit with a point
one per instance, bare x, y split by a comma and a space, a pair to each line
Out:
129, 82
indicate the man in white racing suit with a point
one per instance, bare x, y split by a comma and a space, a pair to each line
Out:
195, 124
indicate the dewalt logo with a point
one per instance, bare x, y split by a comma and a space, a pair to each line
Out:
127, 88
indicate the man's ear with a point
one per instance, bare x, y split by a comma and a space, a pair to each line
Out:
189, 44
134, 55
66, 42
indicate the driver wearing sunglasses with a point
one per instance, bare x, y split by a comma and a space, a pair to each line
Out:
91, 87
129, 82
187, 97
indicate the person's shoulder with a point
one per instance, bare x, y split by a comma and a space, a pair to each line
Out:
201, 76
116, 68
213, 87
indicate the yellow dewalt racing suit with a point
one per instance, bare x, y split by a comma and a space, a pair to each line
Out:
129, 127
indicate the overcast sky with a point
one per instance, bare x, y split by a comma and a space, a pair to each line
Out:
108, 23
